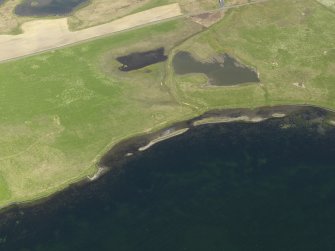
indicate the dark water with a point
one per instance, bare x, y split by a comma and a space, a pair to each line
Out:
223, 71
2, 1
139, 60
237, 187
47, 7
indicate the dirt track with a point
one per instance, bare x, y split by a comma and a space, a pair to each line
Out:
45, 35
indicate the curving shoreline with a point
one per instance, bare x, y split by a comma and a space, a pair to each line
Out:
130, 148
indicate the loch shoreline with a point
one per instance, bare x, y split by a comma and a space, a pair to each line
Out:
128, 149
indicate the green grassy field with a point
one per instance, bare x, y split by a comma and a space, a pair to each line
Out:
288, 42
61, 110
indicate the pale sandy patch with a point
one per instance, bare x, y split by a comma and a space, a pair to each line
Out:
9, 22
278, 115
219, 120
103, 11
163, 137
299, 85
42, 35
328, 3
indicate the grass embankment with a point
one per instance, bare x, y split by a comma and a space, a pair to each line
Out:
292, 45
60, 111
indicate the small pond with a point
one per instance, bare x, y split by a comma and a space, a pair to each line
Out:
224, 70
47, 7
138, 60
2, 1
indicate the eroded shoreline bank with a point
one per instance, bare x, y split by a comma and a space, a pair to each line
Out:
130, 148
22, 225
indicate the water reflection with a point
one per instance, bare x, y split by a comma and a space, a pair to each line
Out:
47, 7
237, 186
224, 70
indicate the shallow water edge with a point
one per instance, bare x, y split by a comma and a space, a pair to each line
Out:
49, 7
128, 149
221, 70
147, 184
